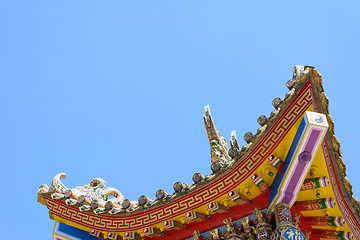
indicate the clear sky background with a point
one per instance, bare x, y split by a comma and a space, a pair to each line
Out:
117, 89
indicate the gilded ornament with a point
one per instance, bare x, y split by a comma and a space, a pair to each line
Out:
318, 80
229, 226
263, 229
51, 216
324, 102
341, 165
196, 235
348, 186
296, 221
260, 131
331, 124
273, 114
42, 189
355, 203
335, 143
41, 199
247, 234
215, 234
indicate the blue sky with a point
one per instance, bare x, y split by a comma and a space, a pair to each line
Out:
117, 89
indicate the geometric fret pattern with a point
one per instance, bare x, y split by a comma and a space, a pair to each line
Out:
241, 171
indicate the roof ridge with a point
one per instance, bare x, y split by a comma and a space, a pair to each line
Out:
58, 189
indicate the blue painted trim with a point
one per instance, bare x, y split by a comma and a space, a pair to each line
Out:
280, 176
73, 232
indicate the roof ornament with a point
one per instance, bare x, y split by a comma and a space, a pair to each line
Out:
196, 235
262, 120
247, 234
263, 229
296, 221
161, 194
298, 72
57, 182
97, 190
215, 234
229, 226
248, 137
234, 145
286, 227
219, 147
94, 195
42, 189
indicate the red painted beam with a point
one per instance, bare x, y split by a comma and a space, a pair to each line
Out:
216, 220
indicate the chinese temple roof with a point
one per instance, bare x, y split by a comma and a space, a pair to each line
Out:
258, 175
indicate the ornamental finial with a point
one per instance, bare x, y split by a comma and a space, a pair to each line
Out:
219, 147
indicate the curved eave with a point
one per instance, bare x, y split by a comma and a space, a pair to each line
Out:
330, 164
306, 94
236, 176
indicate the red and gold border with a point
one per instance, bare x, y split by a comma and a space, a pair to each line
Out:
344, 207
340, 193
241, 171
